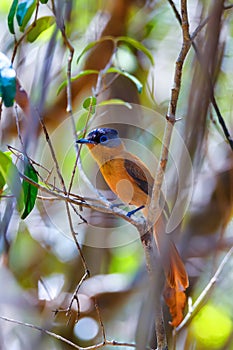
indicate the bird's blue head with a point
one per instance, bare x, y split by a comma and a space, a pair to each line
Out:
102, 136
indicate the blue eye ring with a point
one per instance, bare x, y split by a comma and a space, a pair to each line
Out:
103, 138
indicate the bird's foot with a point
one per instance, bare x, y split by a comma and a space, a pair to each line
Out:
135, 210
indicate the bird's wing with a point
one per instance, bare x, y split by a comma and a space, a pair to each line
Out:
143, 178
140, 174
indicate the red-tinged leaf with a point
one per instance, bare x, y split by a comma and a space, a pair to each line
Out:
175, 300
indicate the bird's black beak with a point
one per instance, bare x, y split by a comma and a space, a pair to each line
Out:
85, 141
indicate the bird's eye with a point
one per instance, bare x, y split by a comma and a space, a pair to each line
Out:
103, 138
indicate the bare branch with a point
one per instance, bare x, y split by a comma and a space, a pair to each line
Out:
67, 341
171, 112
205, 71
27, 31
202, 297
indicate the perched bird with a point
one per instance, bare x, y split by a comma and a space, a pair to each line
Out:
130, 179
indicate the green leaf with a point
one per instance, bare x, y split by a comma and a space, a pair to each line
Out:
43, 1
81, 74
2, 182
30, 191
87, 48
139, 46
42, 24
11, 16
127, 75
92, 44
24, 12
115, 101
10, 174
89, 104
7, 81
82, 121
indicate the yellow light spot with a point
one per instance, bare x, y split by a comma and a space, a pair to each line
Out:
211, 327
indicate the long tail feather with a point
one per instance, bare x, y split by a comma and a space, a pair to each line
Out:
173, 265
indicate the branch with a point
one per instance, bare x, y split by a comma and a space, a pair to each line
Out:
206, 71
67, 341
27, 31
73, 233
201, 299
171, 112
170, 121
139, 223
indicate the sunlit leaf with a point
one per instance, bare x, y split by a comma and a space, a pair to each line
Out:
89, 104
42, 24
2, 182
24, 12
11, 16
92, 44
30, 191
82, 120
139, 46
127, 75
115, 101
79, 75
11, 177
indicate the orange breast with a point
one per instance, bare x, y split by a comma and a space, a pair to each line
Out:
121, 183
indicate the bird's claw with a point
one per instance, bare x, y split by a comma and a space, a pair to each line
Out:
134, 211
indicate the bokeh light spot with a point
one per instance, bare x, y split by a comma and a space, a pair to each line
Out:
86, 329
211, 327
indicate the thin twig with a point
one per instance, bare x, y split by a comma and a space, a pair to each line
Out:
202, 297
170, 121
18, 129
154, 205
100, 321
114, 210
154, 270
18, 152
96, 91
53, 155
199, 28
78, 160
176, 12
67, 341
27, 31
75, 297
205, 71
74, 235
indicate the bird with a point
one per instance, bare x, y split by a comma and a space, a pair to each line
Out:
130, 179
